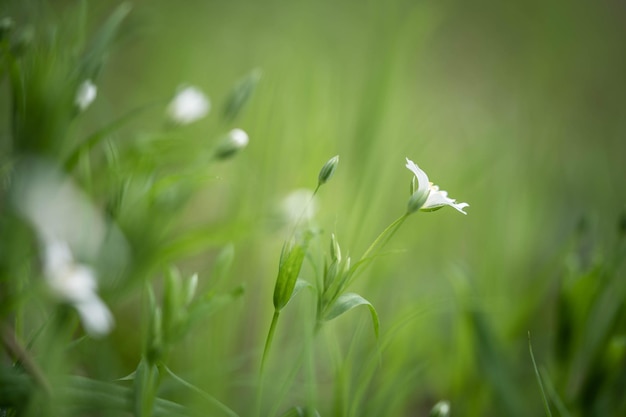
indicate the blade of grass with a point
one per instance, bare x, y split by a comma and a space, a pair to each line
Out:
546, 405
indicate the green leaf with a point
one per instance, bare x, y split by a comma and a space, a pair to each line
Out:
347, 302
87, 396
300, 285
546, 405
301, 412
97, 49
210, 303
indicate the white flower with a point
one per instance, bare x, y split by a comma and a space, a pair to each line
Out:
85, 95
76, 284
428, 197
189, 104
298, 206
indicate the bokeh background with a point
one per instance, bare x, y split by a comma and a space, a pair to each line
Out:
518, 108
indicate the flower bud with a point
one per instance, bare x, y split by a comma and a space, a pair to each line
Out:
22, 41
6, 27
291, 260
441, 409
241, 94
328, 170
234, 141
190, 287
335, 250
85, 95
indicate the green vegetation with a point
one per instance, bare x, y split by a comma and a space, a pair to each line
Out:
177, 237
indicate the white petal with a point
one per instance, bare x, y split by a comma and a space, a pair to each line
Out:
95, 316
438, 199
422, 178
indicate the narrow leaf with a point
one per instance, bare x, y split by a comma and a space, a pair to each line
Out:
543, 394
97, 49
347, 302
241, 94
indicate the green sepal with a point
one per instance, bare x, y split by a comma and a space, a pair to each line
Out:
288, 271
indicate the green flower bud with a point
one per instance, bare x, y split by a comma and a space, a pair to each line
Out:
6, 27
22, 41
240, 95
328, 170
291, 260
173, 302
190, 287
335, 250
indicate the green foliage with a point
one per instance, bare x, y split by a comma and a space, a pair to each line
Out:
169, 231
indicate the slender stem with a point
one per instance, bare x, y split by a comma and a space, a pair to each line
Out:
391, 230
268, 340
377, 244
546, 405
268, 345
12, 345
310, 367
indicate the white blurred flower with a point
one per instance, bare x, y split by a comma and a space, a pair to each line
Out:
85, 95
428, 197
298, 206
189, 104
232, 143
76, 284
57, 208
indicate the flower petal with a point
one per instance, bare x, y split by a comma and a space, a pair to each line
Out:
437, 199
422, 178
95, 316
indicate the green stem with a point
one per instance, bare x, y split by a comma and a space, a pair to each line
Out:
377, 244
310, 367
21, 355
268, 340
391, 230
268, 345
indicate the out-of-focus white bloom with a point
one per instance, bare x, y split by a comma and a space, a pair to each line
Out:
299, 206
232, 143
427, 196
76, 284
57, 208
189, 104
239, 138
85, 95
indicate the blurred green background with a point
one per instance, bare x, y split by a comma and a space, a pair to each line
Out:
518, 108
